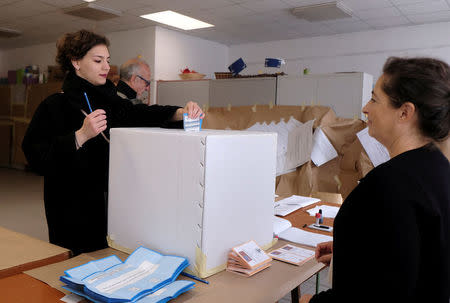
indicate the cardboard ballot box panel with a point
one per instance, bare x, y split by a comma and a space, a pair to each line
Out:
194, 194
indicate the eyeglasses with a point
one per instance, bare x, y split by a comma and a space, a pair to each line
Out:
147, 82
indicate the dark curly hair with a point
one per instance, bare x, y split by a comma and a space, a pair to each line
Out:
74, 46
425, 82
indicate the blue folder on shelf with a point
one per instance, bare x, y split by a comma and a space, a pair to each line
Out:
237, 66
146, 276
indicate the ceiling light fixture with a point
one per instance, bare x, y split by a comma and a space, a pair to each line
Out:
92, 11
177, 20
322, 12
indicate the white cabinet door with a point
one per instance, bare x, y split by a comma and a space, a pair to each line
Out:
342, 93
296, 90
180, 92
239, 92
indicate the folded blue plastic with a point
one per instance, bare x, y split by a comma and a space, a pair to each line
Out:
143, 277
273, 62
237, 66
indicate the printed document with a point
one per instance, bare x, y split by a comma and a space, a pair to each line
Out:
288, 205
376, 151
300, 236
327, 211
322, 150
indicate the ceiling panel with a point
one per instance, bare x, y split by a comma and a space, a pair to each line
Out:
430, 17
236, 21
378, 13
424, 7
388, 22
356, 5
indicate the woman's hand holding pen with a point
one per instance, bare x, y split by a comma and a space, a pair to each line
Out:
93, 124
324, 252
192, 109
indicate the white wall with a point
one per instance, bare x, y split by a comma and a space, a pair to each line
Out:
361, 51
41, 55
175, 51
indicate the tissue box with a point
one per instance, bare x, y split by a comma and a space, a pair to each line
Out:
192, 194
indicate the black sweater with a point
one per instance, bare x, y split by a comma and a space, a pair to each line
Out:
391, 236
75, 181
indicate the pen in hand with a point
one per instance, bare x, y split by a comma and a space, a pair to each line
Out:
88, 103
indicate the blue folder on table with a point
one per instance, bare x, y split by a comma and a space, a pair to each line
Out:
145, 276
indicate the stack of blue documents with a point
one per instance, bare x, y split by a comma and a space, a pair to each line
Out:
146, 276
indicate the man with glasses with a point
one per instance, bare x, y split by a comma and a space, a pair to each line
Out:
134, 81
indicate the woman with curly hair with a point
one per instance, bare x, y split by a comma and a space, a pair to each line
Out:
67, 141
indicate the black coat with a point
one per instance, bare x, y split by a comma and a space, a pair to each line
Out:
76, 181
391, 235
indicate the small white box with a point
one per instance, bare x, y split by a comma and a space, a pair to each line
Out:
193, 194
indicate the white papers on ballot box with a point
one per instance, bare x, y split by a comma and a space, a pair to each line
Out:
376, 151
322, 150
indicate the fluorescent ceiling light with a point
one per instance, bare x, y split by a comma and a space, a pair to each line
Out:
88, 0
177, 20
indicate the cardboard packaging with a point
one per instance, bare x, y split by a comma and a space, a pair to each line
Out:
193, 194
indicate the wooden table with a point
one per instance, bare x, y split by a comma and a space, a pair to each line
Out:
19, 252
270, 285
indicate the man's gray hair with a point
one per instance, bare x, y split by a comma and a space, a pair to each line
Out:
130, 68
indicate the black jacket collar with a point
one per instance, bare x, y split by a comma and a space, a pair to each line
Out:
126, 90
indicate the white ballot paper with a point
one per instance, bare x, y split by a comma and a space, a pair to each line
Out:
376, 151
251, 253
322, 150
283, 229
288, 205
327, 211
294, 142
292, 254
300, 236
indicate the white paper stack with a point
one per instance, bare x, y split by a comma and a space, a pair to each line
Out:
294, 142
288, 205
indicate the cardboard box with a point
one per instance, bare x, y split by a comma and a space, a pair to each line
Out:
5, 101
193, 194
37, 93
55, 73
6, 127
18, 157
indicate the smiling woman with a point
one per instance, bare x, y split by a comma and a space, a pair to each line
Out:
63, 143
405, 201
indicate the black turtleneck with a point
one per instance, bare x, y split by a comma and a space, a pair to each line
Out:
75, 181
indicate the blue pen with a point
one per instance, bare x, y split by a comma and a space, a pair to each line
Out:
89, 104
194, 277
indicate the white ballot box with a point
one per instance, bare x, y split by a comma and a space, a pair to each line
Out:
192, 194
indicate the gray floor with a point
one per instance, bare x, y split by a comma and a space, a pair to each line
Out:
22, 210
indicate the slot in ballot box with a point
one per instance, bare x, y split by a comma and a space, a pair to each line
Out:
193, 194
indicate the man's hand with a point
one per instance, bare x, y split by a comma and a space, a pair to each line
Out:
324, 252
192, 109
93, 124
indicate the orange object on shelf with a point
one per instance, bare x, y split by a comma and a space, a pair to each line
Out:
191, 76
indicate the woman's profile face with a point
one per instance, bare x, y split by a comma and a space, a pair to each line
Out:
381, 115
94, 66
